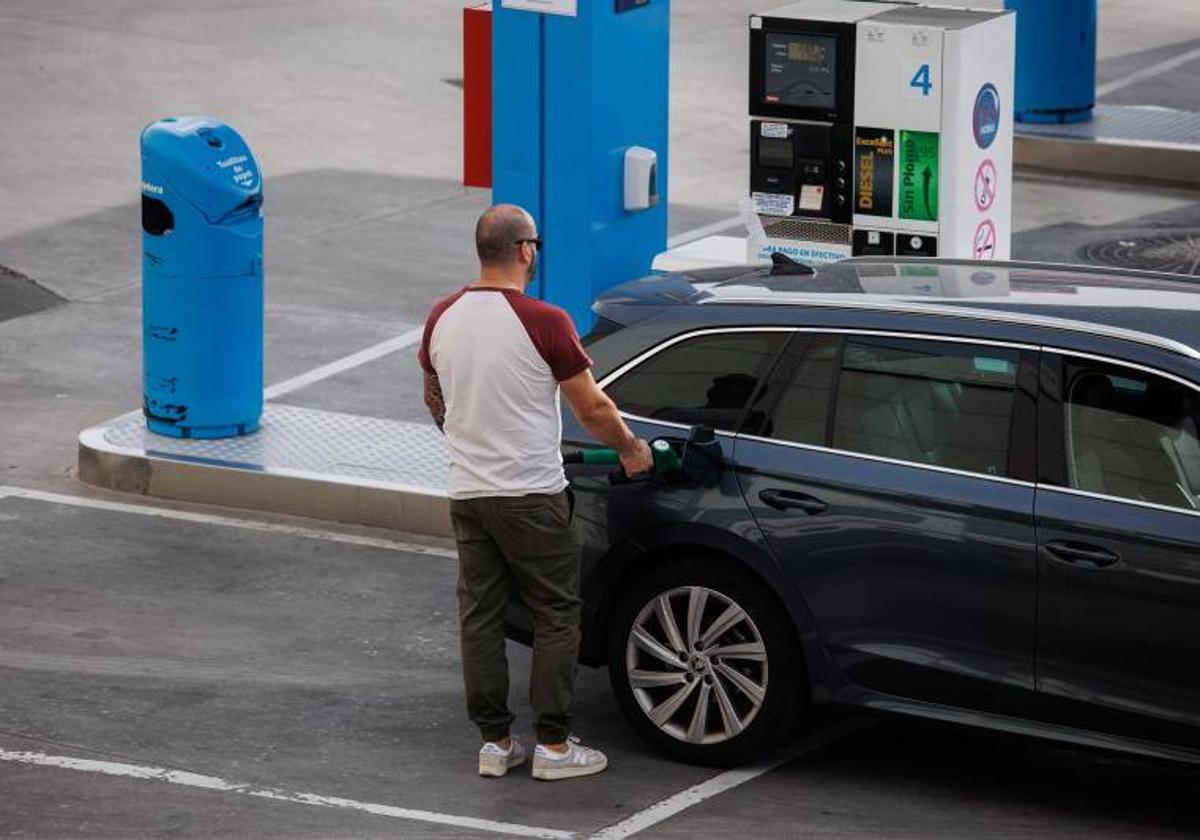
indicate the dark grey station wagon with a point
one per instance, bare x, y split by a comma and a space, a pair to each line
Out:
963, 491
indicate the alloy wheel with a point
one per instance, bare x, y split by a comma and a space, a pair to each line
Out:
697, 665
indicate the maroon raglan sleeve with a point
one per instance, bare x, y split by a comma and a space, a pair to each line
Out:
441, 306
553, 334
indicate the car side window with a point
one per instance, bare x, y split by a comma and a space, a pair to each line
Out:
1131, 434
929, 402
708, 379
801, 389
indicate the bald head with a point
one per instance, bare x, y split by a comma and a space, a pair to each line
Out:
497, 232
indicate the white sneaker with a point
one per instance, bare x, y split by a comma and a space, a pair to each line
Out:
495, 761
578, 760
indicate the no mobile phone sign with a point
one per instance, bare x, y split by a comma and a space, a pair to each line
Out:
986, 184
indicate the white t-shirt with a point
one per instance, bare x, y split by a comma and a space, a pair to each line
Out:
499, 357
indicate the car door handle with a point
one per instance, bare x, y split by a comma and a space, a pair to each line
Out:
787, 500
1079, 554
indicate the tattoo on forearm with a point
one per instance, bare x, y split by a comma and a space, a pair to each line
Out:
434, 400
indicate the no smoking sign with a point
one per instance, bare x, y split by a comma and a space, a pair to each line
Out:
985, 240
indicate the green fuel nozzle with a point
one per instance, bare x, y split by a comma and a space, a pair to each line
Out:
666, 459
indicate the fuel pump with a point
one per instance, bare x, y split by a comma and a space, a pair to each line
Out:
881, 129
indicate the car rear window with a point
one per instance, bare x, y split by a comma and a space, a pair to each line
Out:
928, 402
1132, 435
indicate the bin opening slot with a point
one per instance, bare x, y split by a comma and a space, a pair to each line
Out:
248, 209
157, 218
211, 139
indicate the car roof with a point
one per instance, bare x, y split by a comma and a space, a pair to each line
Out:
1161, 310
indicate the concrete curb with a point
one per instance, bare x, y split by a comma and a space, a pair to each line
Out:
1164, 162
332, 499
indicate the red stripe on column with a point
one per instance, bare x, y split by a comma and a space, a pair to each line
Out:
477, 95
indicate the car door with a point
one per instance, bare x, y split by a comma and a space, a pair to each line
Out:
892, 478
704, 377
1118, 517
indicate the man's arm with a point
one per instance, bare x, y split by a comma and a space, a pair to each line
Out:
434, 400
598, 414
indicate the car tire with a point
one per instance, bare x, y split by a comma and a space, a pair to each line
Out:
703, 692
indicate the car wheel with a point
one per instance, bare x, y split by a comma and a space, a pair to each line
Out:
705, 663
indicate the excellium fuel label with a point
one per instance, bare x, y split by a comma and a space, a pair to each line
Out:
874, 166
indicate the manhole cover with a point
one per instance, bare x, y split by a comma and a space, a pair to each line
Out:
1177, 252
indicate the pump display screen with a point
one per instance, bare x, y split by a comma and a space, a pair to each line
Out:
776, 153
801, 70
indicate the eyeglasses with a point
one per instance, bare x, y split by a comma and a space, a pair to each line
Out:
535, 241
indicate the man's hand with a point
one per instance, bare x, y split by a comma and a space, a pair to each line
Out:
598, 414
639, 459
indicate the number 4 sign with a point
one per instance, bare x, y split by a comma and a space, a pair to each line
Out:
922, 80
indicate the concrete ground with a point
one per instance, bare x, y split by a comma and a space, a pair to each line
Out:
257, 652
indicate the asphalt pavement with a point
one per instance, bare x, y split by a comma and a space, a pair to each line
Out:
197, 677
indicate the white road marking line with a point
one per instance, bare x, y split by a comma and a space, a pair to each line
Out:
1147, 72
669, 807
346, 363
701, 232
370, 354
408, 339
195, 780
227, 521
413, 336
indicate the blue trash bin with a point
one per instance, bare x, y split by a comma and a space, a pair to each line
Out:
202, 280
1056, 60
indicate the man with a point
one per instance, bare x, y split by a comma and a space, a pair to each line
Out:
494, 361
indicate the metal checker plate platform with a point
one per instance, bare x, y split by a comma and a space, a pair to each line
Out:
1125, 123
305, 443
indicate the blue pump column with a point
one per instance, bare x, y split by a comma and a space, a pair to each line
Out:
570, 96
1056, 60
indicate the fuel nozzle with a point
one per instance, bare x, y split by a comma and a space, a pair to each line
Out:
666, 459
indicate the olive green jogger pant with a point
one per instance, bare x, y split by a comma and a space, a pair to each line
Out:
526, 543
